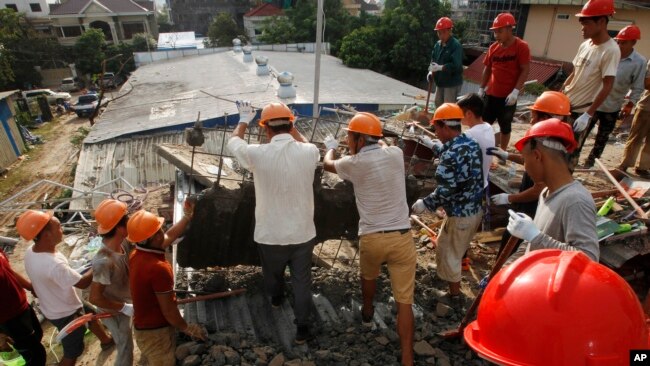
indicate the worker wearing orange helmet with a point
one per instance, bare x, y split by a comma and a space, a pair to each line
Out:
629, 79
554, 307
54, 281
110, 290
283, 171
506, 69
446, 68
565, 212
155, 312
384, 227
594, 68
550, 104
459, 192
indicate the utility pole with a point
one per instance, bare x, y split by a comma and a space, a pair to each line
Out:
319, 36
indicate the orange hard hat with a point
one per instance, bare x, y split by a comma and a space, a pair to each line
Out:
444, 23
595, 8
142, 225
552, 102
108, 213
365, 123
276, 111
503, 20
447, 111
553, 307
551, 127
31, 223
629, 33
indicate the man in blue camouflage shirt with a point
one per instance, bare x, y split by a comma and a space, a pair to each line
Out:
459, 192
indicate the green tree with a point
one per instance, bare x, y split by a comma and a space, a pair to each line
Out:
162, 19
277, 30
143, 42
223, 30
362, 49
89, 50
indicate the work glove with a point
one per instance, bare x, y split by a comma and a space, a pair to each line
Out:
246, 112
484, 282
195, 331
511, 99
434, 67
428, 142
127, 309
418, 207
6, 343
500, 199
498, 152
581, 122
330, 142
429, 77
481, 92
522, 226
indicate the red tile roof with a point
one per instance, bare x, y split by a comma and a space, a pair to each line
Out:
264, 10
539, 70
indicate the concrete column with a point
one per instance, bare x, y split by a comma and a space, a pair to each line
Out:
114, 33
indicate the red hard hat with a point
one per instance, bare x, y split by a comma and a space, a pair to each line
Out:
551, 127
444, 23
595, 8
553, 307
503, 20
629, 33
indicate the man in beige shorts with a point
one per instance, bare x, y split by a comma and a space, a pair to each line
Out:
377, 173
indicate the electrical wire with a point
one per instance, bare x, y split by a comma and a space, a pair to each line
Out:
52, 348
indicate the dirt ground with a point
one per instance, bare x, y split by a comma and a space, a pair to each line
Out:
56, 158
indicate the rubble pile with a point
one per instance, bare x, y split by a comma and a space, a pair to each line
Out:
342, 342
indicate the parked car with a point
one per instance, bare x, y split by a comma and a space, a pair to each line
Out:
110, 80
70, 84
86, 105
52, 97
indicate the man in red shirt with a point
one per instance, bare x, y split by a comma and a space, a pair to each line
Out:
18, 322
506, 69
156, 316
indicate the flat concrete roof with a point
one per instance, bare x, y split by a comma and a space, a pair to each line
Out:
168, 95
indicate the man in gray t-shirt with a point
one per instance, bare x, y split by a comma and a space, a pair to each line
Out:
110, 290
566, 213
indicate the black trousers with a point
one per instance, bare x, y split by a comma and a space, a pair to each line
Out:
606, 124
26, 332
275, 259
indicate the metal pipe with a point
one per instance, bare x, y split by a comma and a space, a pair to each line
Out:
319, 46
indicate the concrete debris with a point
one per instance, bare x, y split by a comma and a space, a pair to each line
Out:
423, 348
192, 360
443, 310
278, 360
382, 340
183, 350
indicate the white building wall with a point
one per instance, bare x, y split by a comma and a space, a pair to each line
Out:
24, 6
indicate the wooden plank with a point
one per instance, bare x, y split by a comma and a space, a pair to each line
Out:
489, 236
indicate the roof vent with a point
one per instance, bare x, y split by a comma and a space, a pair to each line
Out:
236, 45
286, 89
262, 68
248, 50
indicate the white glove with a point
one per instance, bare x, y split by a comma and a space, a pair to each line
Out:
481, 92
330, 142
498, 152
500, 199
522, 226
429, 76
418, 207
434, 67
581, 122
127, 309
246, 112
428, 142
511, 99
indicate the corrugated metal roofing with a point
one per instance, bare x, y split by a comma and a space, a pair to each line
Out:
135, 159
8, 93
539, 70
168, 95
